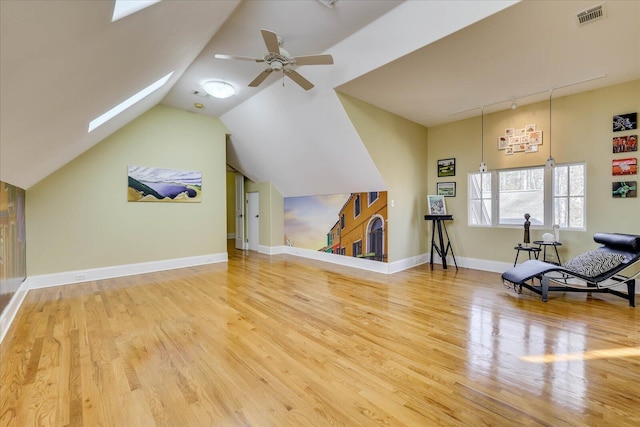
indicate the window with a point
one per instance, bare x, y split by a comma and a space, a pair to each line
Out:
98, 121
356, 206
342, 221
375, 239
357, 248
480, 199
502, 197
521, 191
569, 196
373, 196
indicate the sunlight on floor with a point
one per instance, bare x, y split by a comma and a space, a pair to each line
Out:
587, 355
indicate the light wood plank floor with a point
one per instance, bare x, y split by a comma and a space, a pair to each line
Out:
283, 341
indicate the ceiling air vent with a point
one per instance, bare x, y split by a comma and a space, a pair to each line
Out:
590, 15
328, 3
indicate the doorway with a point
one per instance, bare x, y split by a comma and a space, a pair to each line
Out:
239, 212
253, 220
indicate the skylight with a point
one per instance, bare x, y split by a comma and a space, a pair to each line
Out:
124, 8
128, 103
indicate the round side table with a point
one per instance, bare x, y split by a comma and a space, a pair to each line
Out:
528, 249
543, 245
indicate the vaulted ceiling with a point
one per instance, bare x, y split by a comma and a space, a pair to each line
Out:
63, 63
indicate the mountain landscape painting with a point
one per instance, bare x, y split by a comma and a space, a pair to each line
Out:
149, 184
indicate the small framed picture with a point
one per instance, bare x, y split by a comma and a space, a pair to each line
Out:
624, 189
535, 137
508, 151
436, 205
625, 122
509, 132
503, 142
530, 128
446, 189
624, 166
531, 148
625, 144
446, 167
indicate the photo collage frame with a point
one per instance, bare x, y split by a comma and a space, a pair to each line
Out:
523, 140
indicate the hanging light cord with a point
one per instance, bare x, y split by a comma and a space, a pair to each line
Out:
482, 134
550, 95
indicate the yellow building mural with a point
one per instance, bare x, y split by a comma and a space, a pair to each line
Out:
347, 224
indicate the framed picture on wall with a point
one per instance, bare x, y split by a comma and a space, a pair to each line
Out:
624, 166
446, 167
624, 189
446, 189
436, 205
625, 122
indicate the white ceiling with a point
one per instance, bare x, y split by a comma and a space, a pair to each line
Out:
63, 63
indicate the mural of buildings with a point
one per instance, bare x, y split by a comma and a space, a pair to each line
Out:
362, 226
13, 249
344, 224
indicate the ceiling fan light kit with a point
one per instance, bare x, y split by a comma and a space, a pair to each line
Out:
279, 60
218, 89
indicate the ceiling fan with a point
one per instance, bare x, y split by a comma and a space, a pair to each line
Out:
278, 59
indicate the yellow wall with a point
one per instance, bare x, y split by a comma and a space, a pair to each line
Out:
231, 203
398, 147
582, 132
271, 208
79, 217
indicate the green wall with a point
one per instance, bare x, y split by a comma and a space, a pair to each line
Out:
271, 208
231, 203
79, 217
398, 147
582, 132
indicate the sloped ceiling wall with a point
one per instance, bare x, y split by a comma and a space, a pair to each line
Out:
303, 142
64, 63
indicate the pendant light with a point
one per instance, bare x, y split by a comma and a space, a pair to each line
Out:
551, 162
483, 165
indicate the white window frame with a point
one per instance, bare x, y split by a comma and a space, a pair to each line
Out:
568, 197
491, 177
549, 198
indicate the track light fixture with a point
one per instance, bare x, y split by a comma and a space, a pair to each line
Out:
514, 104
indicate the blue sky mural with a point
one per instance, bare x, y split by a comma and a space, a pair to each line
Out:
307, 220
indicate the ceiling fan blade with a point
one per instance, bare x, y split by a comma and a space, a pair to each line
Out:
271, 41
296, 77
314, 60
240, 58
261, 77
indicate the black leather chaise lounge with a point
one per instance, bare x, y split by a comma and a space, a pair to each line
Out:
595, 271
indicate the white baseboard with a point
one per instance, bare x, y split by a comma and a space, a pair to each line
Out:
364, 264
400, 265
10, 311
271, 250
69, 277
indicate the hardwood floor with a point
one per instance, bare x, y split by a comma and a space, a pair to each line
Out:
283, 341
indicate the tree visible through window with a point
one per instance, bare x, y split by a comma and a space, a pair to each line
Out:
480, 199
569, 196
521, 191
